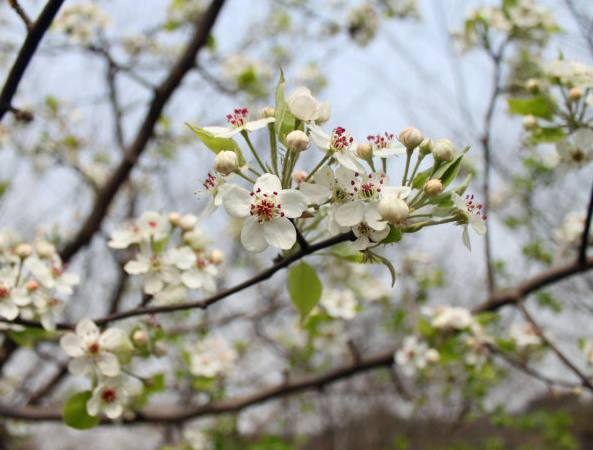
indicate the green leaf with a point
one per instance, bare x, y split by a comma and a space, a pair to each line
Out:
29, 336
449, 171
305, 288
421, 178
389, 266
395, 235
285, 121
217, 144
75, 413
538, 106
547, 134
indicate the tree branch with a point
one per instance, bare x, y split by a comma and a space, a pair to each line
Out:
162, 95
34, 36
295, 385
586, 230
14, 4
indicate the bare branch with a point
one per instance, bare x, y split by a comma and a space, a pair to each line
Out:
586, 231
14, 4
162, 95
26, 53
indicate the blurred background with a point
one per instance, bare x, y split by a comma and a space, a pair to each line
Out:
383, 66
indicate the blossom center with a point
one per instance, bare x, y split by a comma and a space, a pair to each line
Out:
474, 208
94, 348
109, 395
238, 118
341, 139
265, 206
381, 141
4, 292
210, 182
369, 188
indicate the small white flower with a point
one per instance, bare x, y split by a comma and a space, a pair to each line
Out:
339, 143
211, 357
415, 355
570, 233
110, 397
525, 335
577, 149
238, 123
385, 146
451, 317
215, 187
196, 439
92, 349
339, 304
267, 210
471, 214
305, 107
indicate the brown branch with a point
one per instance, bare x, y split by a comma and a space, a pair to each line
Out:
585, 381
14, 4
294, 385
49, 386
28, 49
586, 230
162, 95
550, 276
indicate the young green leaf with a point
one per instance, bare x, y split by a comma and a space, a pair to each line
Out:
75, 413
285, 121
217, 144
304, 287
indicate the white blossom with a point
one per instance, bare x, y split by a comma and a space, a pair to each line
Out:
339, 304
211, 357
472, 214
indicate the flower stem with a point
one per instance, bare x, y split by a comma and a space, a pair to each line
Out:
408, 158
318, 166
418, 161
273, 147
257, 158
245, 177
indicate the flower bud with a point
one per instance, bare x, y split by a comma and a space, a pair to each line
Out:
411, 138
226, 162
267, 112
323, 112
533, 85
433, 187
187, 222
394, 210
139, 338
529, 122
217, 257
23, 250
426, 146
575, 94
174, 218
297, 141
45, 249
299, 176
364, 151
32, 286
443, 150
432, 356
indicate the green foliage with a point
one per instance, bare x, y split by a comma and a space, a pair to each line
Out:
548, 301
75, 413
541, 135
395, 235
217, 144
285, 121
304, 287
29, 336
538, 106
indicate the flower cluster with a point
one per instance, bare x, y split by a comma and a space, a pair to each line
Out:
521, 20
211, 357
415, 355
33, 280
81, 22
97, 354
171, 255
339, 191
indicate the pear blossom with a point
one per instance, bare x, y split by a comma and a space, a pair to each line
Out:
150, 227
415, 355
211, 357
10, 300
525, 335
363, 24
215, 187
450, 317
307, 108
54, 276
339, 143
471, 213
196, 439
339, 304
570, 232
93, 350
81, 22
577, 149
267, 210
327, 186
385, 145
238, 123
109, 397
158, 270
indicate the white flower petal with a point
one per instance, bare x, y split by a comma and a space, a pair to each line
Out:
72, 345
87, 331
280, 233
316, 193
237, 201
108, 364
257, 124
268, 183
252, 236
79, 366
293, 202
349, 214
113, 410
346, 159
